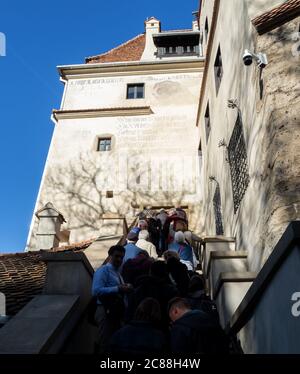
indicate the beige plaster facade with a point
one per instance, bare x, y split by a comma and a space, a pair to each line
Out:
269, 109
153, 159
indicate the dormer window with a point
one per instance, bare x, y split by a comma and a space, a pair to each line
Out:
177, 43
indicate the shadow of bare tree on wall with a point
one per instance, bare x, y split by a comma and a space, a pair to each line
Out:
78, 188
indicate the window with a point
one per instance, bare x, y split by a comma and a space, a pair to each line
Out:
218, 211
104, 144
206, 30
135, 91
200, 158
218, 70
184, 50
109, 194
207, 122
237, 157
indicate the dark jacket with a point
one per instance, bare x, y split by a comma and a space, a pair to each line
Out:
197, 332
180, 275
136, 267
148, 286
200, 301
138, 337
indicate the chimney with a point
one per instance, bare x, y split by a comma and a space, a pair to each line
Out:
195, 25
152, 26
50, 221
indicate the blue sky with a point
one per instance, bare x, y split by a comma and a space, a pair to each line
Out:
39, 36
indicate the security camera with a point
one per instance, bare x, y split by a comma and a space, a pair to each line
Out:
260, 58
247, 58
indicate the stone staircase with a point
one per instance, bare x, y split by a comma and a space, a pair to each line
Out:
226, 274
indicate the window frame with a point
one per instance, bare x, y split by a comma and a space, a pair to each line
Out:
135, 86
238, 163
217, 204
218, 69
206, 30
105, 139
207, 122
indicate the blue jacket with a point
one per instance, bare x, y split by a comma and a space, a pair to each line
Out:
131, 251
184, 250
106, 280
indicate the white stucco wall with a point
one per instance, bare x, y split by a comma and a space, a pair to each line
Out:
160, 149
266, 208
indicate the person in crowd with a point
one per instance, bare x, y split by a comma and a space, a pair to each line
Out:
188, 235
181, 213
178, 272
131, 249
199, 300
136, 267
161, 218
174, 222
156, 285
184, 250
194, 331
143, 224
154, 227
109, 289
145, 244
142, 335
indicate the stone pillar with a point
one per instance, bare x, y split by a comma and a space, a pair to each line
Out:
50, 221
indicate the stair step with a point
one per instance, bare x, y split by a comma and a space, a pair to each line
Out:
213, 244
229, 292
225, 261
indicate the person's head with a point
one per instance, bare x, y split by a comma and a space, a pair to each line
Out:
159, 270
178, 307
188, 236
170, 254
148, 311
133, 235
196, 283
179, 237
143, 225
162, 211
144, 234
116, 254
172, 211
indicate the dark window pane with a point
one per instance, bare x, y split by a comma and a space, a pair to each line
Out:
140, 92
130, 92
104, 145
237, 156
218, 67
218, 211
207, 122
135, 91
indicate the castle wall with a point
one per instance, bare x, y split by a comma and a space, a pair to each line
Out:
271, 131
154, 157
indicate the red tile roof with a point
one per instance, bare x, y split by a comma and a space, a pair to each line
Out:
76, 247
277, 16
132, 50
22, 275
